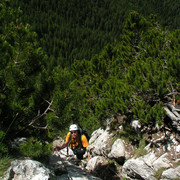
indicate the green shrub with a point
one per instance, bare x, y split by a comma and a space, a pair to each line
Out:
3, 147
35, 149
129, 135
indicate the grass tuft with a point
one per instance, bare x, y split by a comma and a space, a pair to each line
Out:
5, 162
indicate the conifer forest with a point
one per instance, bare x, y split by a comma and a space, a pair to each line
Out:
83, 62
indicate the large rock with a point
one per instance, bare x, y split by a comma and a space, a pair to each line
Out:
33, 170
29, 170
118, 151
101, 167
162, 162
146, 166
171, 173
94, 162
100, 143
95, 135
140, 168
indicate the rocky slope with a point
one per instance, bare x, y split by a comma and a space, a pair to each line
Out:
111, 158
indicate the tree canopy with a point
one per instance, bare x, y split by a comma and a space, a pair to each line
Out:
78, 29
22, 73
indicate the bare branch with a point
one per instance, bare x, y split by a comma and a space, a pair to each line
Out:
172, 93
39, 115
48, 108
38, 127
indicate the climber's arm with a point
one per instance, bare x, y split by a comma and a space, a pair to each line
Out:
63, 146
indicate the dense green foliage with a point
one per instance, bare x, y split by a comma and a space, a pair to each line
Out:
134, 78
43, 92
21, 74
35, 149
79, 29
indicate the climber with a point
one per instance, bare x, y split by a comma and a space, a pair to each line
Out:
78, 142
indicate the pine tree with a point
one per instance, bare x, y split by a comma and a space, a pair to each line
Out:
22, 75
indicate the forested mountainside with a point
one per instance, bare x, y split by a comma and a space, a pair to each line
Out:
135, 74
78, 29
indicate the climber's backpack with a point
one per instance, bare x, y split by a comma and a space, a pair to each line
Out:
84, 132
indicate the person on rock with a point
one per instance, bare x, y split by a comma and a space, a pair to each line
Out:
76, 141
